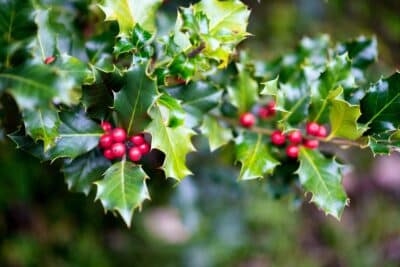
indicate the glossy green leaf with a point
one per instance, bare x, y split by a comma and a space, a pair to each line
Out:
40, 85
293, 100
217, 134
139, 43
323, 179
129, 12
380, 107
227, 27
252, 151
270, 87
384, 143
173, 140
77, 135
27, 144
338, 72
82, 172
243, 93
123, 189
134, 100
16, 30
343, 118
42, 124
197, 98
97, 98
362, 51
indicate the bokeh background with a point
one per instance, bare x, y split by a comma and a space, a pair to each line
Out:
211, 219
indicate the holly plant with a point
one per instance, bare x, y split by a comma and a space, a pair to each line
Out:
103, 86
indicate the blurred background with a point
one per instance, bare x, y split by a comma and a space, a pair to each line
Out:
210, 219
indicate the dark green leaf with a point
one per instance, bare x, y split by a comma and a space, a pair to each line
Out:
380, 107
134, 100
42, 124
82, 172
77, 135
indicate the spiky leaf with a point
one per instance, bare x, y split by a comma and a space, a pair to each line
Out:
322, 178
123, 189
380, 106
134, 100
129, 12
82, 172
173, 139
217, 135
253, 153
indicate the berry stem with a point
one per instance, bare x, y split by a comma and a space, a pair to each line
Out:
265, 131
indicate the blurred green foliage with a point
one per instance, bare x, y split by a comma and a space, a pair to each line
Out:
211, 219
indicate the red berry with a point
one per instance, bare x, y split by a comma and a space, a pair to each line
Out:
263, 113
295, 137
108, 154
144, 148
292, 151
106, 126
311, 144
138, 140
106, 141
118, 150
322, 132
278, 138
312, 128
271, 108
135, 154
247, 119
118, 135
49, 60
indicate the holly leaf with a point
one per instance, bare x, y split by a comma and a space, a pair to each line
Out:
270, 87
82, 172
123, 189
27, 144
322, 178
380, 107
337, 73
217, 135
97, 98
243, 93
226, 29
293, 100
16, 30
39, 85
197, 98
343, 117
384, 143
173, 139
362, 51
77, 135
134, 100
130, 12
139, 43
42, 124
252, 152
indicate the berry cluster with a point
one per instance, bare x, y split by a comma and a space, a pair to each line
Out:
268, 111
295, 137
116, 143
